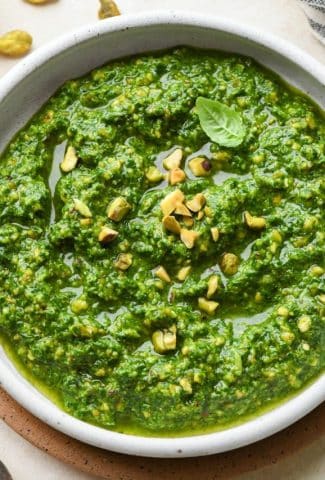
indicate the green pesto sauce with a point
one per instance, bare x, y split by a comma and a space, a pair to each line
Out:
122, 348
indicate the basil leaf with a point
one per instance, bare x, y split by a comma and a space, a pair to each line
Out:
221, 124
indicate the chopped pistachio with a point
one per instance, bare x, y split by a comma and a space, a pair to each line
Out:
118, 209
258, 297
222, 156
162, 274
287, 336
304, 323
188, 221
214, 233
154, 175
185, 350
177, 175
276, 236
85, 222
229, 263
200, 215
100, 372
200, 166
273, 247
283, 312
107, 235
255, 223
170, 202
124, 261
171, 224
70, 160
213, 285
208, 211
174, 159
181, 209
316, 271
164, 340
82, 208
186, 385
310, 223
197, 377
183, 273
277, 199
196, 203
108, 8
189, 237
208, 306
78, 305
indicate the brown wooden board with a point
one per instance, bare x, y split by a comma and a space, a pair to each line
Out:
114, 466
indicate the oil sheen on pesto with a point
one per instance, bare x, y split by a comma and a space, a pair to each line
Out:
139, 323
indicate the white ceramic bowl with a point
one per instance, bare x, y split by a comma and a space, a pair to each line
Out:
27, 87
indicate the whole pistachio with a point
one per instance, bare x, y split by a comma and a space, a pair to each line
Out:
15, 43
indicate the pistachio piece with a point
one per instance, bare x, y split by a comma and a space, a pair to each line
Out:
188, 221
316, 270
208, 211
82, 208
200, 166
196, 203
84, 222
213, 285
70, 160
182, 210
107, 235
287, 336
229, 263
164, 340
154, 175
170, 202
15, 43
276, 236
283, 312
162, 274
186, 385
183, 273
208, 306
214, 233
171, 224
108, 9
189, 237
255, 223
176, 175
118, 209
174, 159
200, 215
124, 261
78, 305
304, 323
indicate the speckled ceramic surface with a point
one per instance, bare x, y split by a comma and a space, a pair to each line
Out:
114, 466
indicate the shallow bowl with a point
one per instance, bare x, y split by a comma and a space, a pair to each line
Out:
35, 79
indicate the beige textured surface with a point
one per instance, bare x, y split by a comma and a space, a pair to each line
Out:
281, 17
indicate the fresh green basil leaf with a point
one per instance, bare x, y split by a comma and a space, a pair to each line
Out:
221, 124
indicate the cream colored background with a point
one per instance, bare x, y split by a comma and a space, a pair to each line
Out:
281, 17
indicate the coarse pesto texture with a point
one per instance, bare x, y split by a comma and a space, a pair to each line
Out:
157, 281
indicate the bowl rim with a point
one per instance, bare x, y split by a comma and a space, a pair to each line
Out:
234, 437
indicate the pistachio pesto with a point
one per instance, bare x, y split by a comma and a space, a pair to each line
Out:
154, 280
